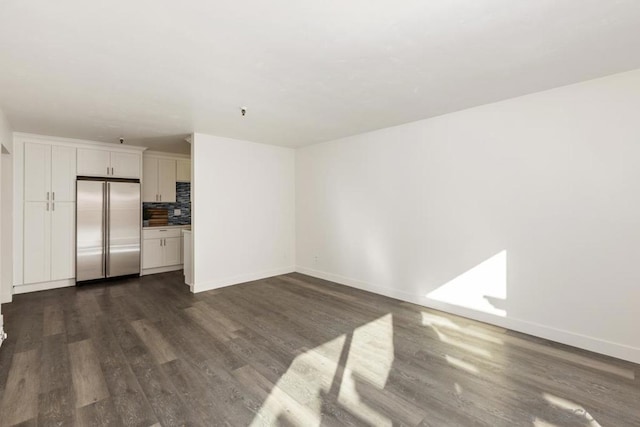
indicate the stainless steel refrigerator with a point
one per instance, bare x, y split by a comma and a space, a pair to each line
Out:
107, 228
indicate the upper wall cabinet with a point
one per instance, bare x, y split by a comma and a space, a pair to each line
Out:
159, 179
116, 164
49, 173
183, 171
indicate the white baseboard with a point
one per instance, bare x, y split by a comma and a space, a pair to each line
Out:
228, 281
157, 270
43, 286
620, 351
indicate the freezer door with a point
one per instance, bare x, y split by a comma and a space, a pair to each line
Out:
123, 231
90, 230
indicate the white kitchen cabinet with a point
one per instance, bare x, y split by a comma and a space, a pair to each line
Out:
63, 173
63, 240
125, 165
116, 164
49, 173
152, 253
37, 172
172, 251
93, 162
183, 171
149, 179
161, 249
37, 242
49, 241
159, 180
182, 248
49, 212
167, 180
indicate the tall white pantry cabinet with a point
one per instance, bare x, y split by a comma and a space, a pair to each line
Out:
45, 172
49, 212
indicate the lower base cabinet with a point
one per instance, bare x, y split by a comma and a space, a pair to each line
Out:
49, 241
161, 248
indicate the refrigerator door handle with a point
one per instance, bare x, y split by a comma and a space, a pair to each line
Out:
108, 228
104, 230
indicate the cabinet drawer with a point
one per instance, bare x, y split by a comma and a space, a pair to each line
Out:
161, 233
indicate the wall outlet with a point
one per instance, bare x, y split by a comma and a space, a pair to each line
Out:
177, 212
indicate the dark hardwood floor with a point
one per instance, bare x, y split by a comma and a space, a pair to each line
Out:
289, 350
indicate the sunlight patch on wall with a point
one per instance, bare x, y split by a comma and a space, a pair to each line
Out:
483, 288
315, 378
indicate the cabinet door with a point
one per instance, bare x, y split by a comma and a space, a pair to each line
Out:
93, 162
167, 180
152, 253
125, 165
150, 191
63, 240
181, 248
37, 242
37, 172
183, 171
63, 173
172, 251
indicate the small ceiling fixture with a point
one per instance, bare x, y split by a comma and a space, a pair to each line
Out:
121, 140
243, 111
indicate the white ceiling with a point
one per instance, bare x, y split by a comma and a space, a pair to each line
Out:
308, 71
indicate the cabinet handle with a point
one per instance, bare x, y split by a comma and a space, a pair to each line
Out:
107, 170
47, 206
53, 195
53, 206
47, 195
111, 170
161, 197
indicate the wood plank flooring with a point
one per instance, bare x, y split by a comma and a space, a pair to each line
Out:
289, 350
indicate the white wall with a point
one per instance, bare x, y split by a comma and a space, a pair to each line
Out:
242, 211
6, 140
549, 181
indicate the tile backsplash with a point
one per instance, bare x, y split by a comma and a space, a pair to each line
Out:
183, 202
